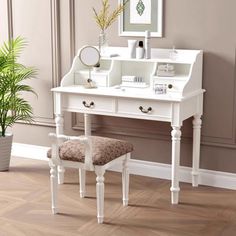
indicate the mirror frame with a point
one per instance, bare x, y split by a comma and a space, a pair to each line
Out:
87, 46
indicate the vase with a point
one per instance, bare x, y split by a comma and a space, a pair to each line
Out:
5, 153
103, 43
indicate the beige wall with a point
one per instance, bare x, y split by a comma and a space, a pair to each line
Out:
54, 38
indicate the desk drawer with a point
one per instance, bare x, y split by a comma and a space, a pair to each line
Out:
155, 109
99, 78
83, 103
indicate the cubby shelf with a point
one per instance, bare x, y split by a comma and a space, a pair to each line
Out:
187, 70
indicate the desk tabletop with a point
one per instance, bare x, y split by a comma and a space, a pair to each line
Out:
125, 92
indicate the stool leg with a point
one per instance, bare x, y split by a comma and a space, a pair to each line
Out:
125, 180
82, 179
100, 193
54, 186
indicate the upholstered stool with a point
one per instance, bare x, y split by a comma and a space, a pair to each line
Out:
92, 153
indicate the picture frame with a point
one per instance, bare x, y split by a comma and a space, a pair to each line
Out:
139, 16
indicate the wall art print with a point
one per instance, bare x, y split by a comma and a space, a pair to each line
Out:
139, 16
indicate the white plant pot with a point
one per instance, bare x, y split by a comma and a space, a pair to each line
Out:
5, 151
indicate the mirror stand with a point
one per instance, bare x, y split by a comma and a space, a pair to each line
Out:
90, 84
90, 57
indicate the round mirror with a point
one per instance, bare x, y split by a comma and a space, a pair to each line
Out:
89, 56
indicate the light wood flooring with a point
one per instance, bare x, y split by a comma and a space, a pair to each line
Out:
25, 206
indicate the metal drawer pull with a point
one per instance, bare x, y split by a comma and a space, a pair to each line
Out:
88, 105
145, 110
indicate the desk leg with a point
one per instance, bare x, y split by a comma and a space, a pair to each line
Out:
59, 130
82, 172
197, 122
87, 124
176, 137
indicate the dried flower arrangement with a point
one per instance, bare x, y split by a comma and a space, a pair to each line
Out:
104, 18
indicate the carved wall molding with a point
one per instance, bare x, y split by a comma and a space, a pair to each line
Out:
77, 123
72, 29
56, 56
229, 142
55, 51
77, 119
234, 105
9, 19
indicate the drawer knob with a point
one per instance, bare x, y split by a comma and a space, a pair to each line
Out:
145, 110
88, 105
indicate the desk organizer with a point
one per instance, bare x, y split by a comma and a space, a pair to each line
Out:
182, 75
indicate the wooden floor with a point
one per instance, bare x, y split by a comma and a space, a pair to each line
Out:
25, 206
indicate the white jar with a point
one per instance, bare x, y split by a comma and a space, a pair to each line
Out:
140, 50
131, 46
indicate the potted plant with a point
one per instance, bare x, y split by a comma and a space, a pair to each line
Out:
13, 106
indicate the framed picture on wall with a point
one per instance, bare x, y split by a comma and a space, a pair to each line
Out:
139, 16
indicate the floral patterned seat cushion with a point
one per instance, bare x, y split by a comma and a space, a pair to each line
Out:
104, 150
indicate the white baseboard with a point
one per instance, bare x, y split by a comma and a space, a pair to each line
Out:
144, 168
29, 151
163, 171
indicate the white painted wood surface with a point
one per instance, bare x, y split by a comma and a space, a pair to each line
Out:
183, 100
176, 137
197, 122
56, 164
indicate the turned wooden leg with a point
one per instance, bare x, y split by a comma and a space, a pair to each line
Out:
100, 194
61, 173
125, 180
59, 120
176, 137
82, 179
87, 124
197, 122
54, 186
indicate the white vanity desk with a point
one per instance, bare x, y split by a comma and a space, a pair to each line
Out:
183, 99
